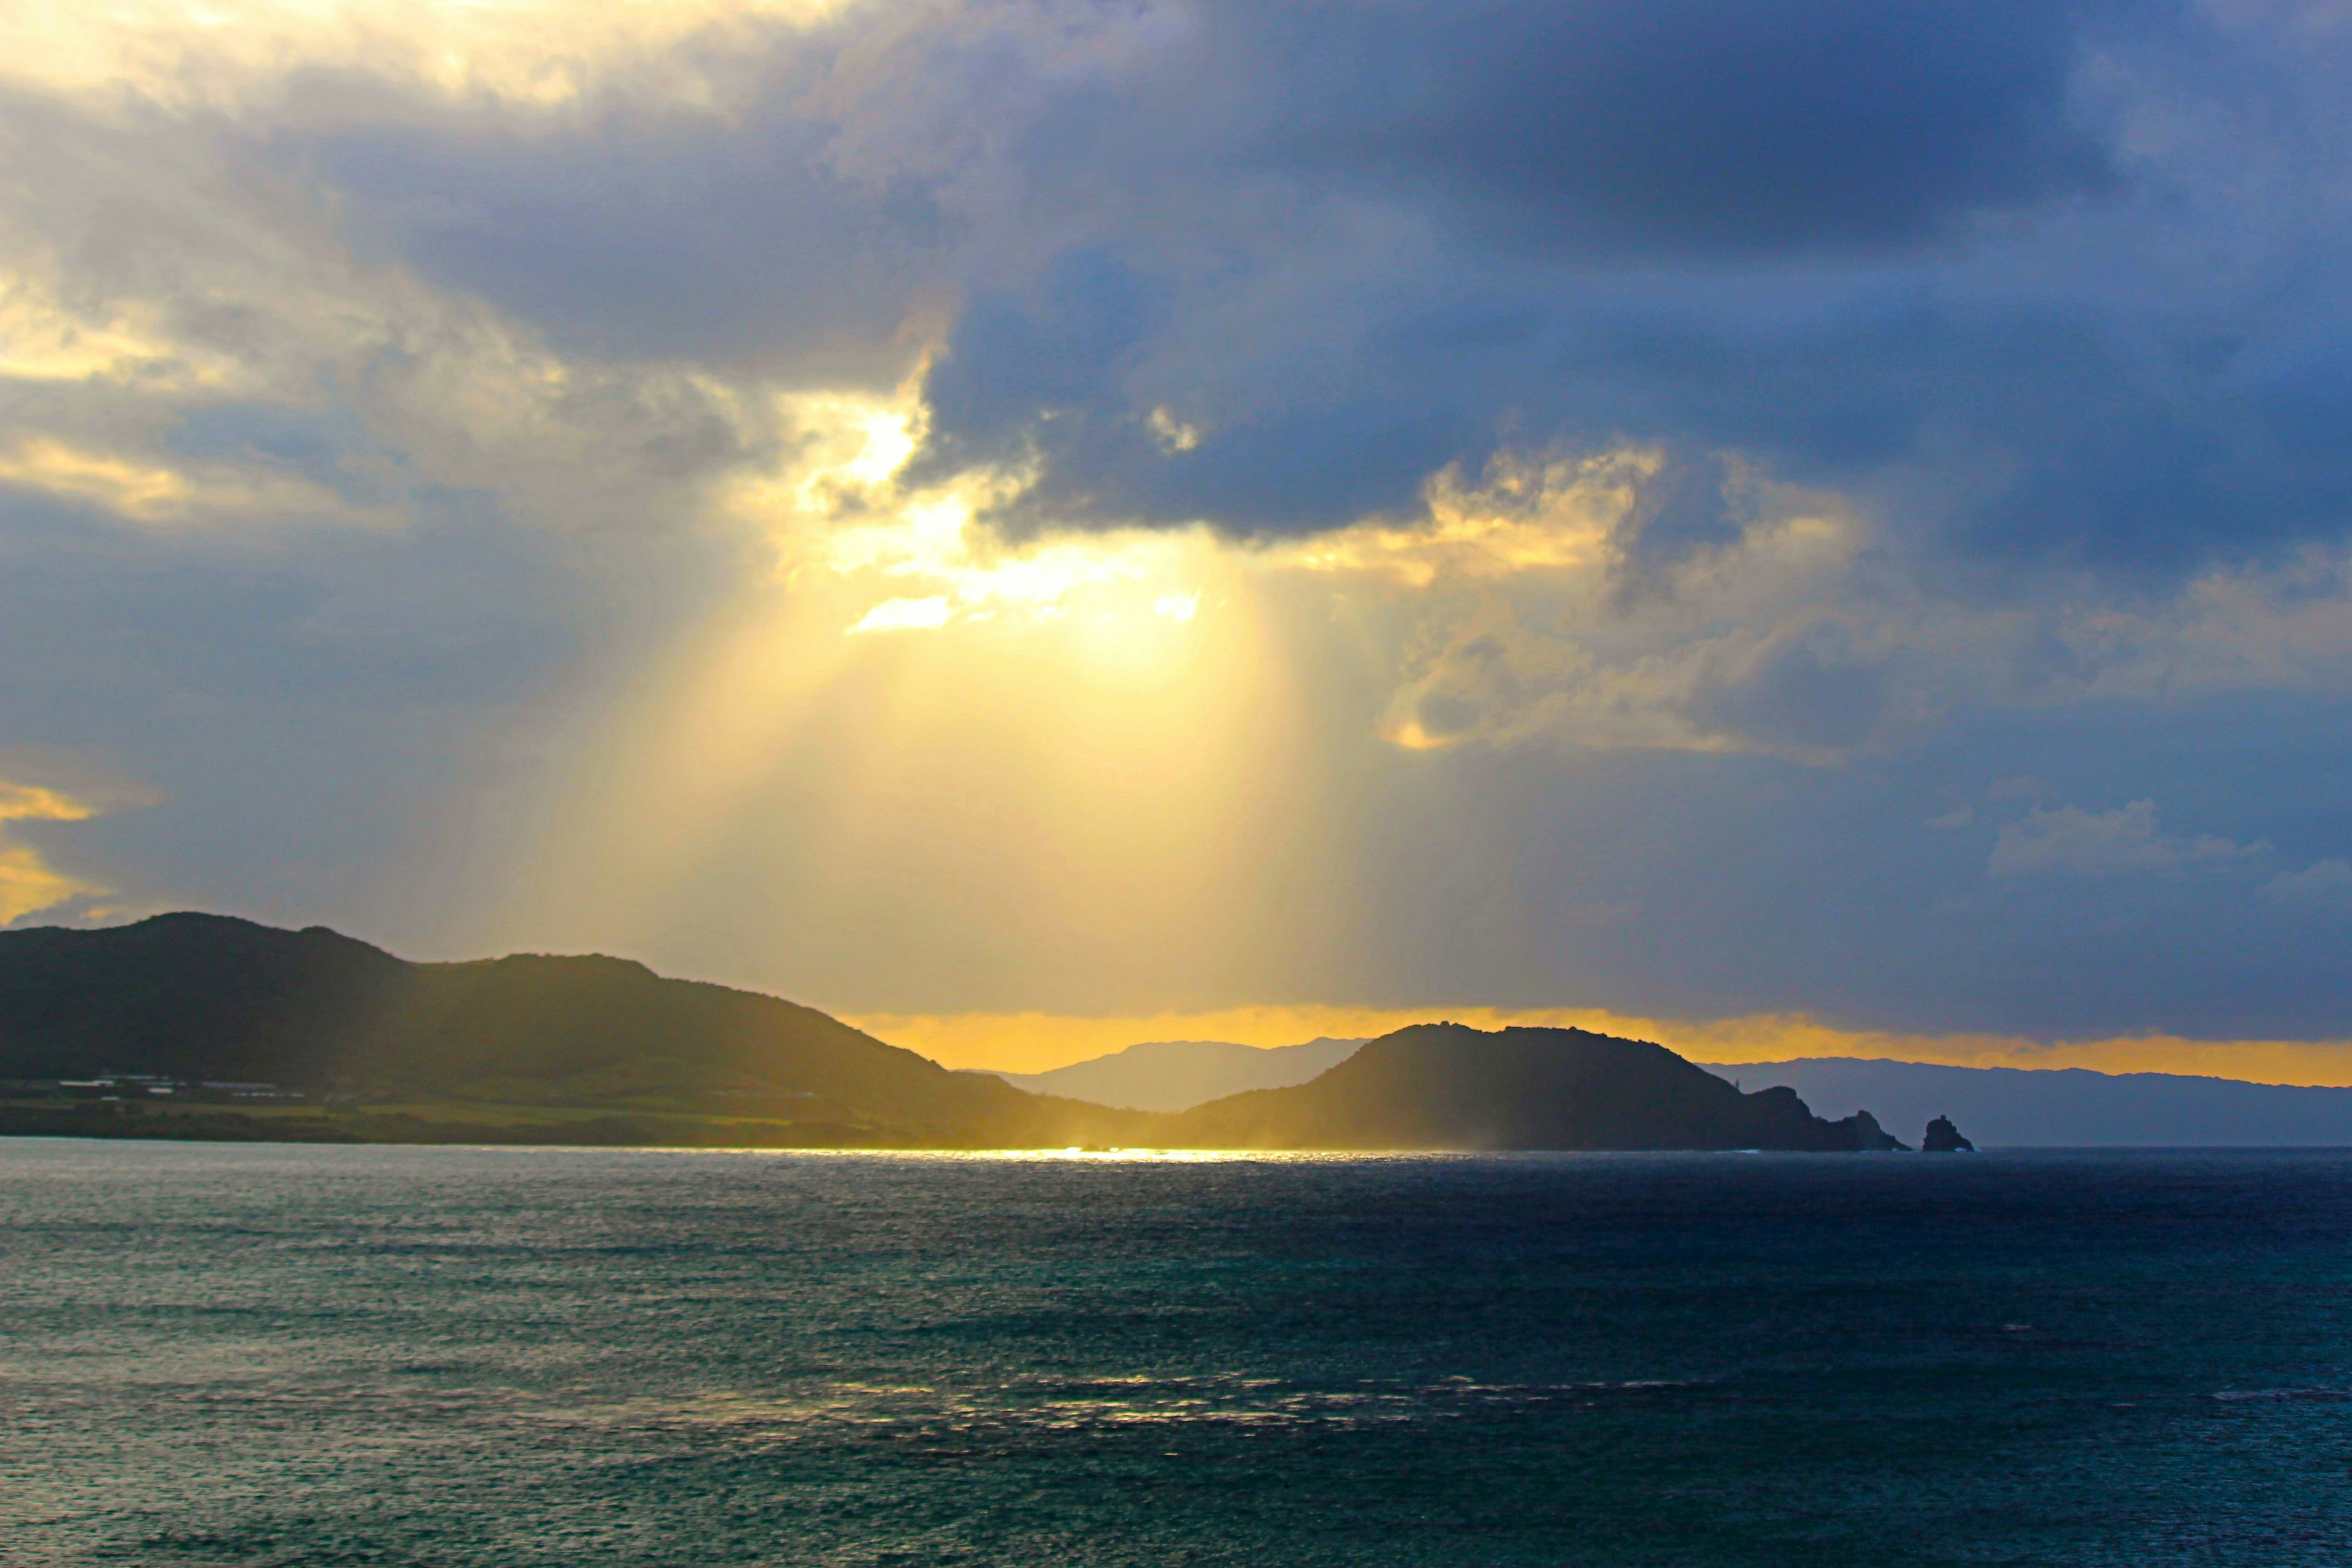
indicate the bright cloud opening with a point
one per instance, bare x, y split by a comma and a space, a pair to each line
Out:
28, 883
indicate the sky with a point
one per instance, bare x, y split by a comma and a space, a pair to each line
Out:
1034, 525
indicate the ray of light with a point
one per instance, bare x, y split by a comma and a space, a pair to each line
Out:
1065, 741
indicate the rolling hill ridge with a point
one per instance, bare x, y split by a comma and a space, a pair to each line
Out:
1448, 1086
206, 996
558, 1049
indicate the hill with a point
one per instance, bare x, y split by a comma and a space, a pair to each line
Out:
2070, 1107
197, 998
1448, 1086
545, 1049
1176, 1075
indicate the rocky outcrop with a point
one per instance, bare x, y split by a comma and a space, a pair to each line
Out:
1943, 1137
1447, 1086
1869, 1136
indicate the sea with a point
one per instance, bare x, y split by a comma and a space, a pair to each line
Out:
306, 1355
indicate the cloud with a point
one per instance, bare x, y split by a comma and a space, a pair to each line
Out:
2321, 883
1348, 248
534, 52
1694, 125
904, 614
1354, 489
1942, 258
669, 235
2126, 842
29, 882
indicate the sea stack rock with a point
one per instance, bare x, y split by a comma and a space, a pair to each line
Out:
1869, 1136
1943, 1137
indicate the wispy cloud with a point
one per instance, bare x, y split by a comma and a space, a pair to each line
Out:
2126, 842
2321, 883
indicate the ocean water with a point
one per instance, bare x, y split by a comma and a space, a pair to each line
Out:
271, 1355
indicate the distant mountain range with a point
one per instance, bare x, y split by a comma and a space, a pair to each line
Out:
2068, 1107
537, 1049
1998, 1107
540, 1049
1177, 1075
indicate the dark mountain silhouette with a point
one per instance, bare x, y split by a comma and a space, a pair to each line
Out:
1448, 1086
416, 1051
206, 996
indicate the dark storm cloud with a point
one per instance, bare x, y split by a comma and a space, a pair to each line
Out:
1684, 126
2135, 441
2046, 285
1040, 376
2121, 439
1900, 250
1010, 362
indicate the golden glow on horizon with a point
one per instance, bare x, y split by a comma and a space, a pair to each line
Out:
1037, 1042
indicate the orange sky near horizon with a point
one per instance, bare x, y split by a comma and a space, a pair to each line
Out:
1039, 1042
